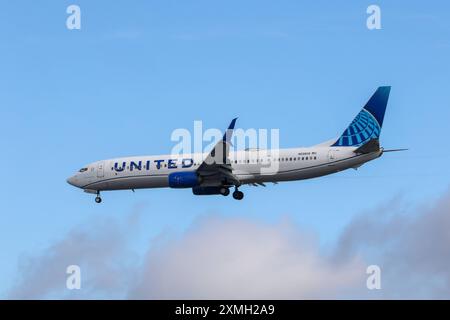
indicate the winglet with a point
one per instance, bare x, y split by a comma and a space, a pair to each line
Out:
228, 134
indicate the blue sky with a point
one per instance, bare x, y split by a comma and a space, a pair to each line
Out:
137, 71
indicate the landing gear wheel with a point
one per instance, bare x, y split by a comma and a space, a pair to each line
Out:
224, 191
238, 195
98, 199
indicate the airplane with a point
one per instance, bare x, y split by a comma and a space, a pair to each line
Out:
214, 173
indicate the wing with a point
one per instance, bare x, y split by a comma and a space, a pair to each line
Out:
216, 169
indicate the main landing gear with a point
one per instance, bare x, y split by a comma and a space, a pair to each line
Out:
238, 195
224, 191
98, 199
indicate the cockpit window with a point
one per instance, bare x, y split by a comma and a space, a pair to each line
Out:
83, 169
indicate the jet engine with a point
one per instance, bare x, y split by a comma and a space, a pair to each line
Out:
183, 179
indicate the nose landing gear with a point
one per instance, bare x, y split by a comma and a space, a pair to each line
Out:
98, 199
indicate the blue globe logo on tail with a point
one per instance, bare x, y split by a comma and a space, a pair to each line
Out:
363, 128
368, 122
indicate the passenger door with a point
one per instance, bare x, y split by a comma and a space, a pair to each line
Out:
331, 156
100, 170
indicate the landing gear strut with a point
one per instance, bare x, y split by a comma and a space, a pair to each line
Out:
238, 195
97, 198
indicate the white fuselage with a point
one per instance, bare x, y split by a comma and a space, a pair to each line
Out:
250, 166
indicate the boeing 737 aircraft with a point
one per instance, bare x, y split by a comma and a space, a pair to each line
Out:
221, 169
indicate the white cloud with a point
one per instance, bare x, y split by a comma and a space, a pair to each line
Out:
231, 258
222, 257
100, 248
411, 245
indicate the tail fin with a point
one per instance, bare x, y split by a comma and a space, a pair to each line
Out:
367, 124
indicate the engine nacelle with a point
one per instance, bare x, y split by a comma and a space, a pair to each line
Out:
183, 179
204, 191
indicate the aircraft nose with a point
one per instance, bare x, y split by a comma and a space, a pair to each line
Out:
73, 181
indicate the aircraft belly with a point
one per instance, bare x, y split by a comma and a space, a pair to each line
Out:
134, 182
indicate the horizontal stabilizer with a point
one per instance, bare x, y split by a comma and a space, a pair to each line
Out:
394, 150
372, 146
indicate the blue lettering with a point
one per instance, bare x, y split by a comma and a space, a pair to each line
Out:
172, 164
187, 165
158, 164
135, 165
119, 168
147, 165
